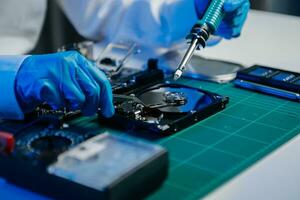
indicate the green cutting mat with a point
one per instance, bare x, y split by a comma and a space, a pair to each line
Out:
206, 155
211, 152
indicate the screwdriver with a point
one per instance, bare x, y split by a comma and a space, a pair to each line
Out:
200, 33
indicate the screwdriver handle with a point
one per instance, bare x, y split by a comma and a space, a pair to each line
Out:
213, 15
201, 32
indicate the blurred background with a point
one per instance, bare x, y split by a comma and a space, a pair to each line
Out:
58, 31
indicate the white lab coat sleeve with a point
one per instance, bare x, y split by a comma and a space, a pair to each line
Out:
153, 23
9, 106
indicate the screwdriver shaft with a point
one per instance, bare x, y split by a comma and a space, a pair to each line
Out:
186, 59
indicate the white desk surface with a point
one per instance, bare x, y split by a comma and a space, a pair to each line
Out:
273, 40
267, 38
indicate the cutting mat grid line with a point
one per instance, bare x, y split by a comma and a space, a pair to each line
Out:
287, 109
252, 158
246, 137
270, 126
206, 155
216, 149
198, 167
242, 136
229, 135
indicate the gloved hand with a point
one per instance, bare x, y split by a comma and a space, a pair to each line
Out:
235, 16
63, 79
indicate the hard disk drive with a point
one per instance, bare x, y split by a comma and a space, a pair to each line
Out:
149, 101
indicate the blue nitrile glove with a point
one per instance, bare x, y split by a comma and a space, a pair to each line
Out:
235, 16
63, 79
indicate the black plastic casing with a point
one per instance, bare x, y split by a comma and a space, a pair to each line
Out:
136, 184
268, 81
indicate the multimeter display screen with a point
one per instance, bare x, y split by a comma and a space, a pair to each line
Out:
283, 76
261, 72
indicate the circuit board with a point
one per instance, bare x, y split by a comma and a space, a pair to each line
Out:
211, 152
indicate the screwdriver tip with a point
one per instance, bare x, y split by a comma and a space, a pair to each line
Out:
177, 75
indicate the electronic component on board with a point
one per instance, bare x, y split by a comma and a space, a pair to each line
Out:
271, 81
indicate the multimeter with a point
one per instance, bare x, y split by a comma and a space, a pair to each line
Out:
268, 80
